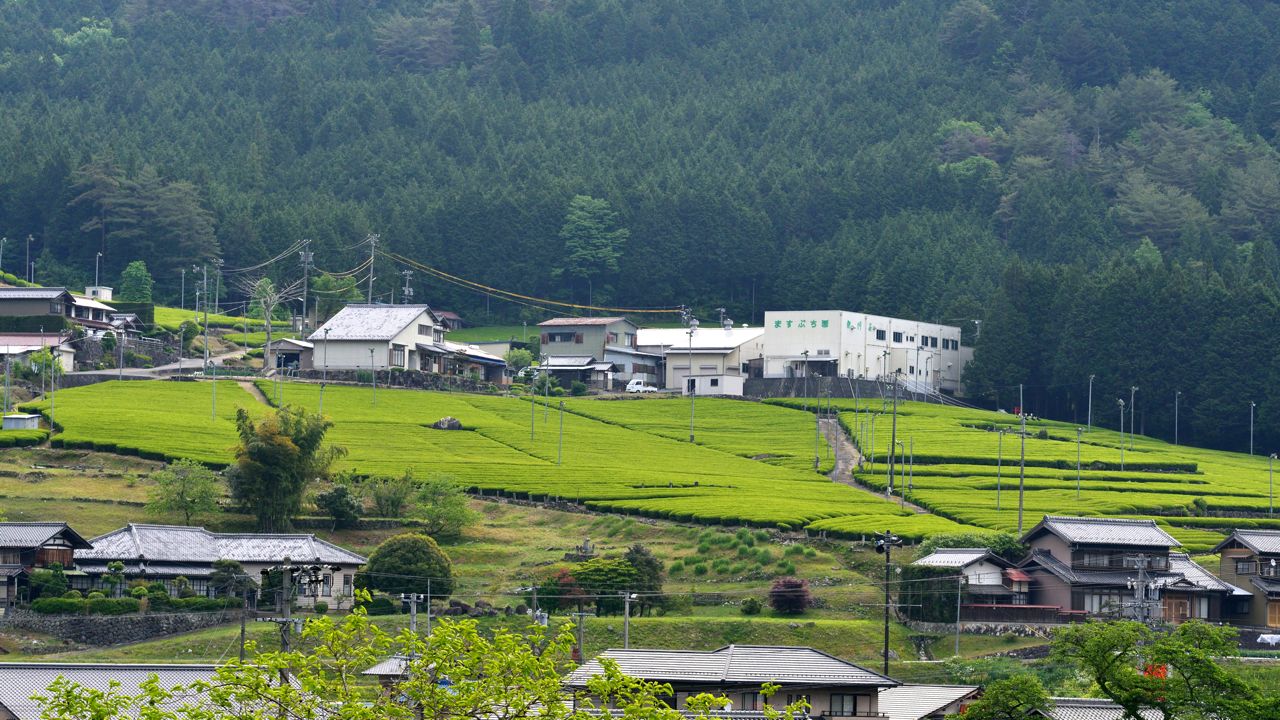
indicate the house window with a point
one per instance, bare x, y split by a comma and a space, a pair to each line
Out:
911, 369
751, 701
1106, 602
560, 337
843, 705
707, 368
715, 382
1246, 567
613, 338
824, 352
346, 584
897, 337
397, 355
326, 590
879, 334
1094, 559
629, 339
424, 330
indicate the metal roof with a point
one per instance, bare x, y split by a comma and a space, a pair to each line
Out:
707, 338
19, 681
913, 702
735, 664
1263, 542
25, 293
179, 544
1092, 709
474, 353
572, 321
394, 666
959, 557
370, 322
1104, 531
35, 534
293, 341
82, 301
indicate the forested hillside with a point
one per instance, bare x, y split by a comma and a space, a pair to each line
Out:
1097, 182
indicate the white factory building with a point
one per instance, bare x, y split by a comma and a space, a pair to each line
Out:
926, 356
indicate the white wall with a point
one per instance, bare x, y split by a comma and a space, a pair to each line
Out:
724, 385
984, 573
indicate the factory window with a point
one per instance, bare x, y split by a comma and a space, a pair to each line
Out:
879, 334
897, 337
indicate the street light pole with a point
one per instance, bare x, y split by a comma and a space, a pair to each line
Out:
1022, 462
324, 371
884, 544
1133, 409
805, 368
689, 381
1078, 431
1271, 488
893, 434
373, 372
1120, 402
999, 464
1252, 405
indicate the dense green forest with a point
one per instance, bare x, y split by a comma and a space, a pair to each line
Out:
1097, 182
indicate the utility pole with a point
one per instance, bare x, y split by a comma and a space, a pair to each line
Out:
884, 544
1133, 407
97, 261
1271, 487
373, 251
305, 255
1022, 460
413, 599
324, 371
1120, 401
689, 381
1090, 420
182, 294
1078, 431
217, 286
1176, 396
959, 591
999, 465
560, 447
406, 292
1252, 405
3, 240
244, 613
30, 270
626, 619
893, 440
373, 372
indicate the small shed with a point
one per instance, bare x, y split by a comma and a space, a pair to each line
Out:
21, 421
292, 353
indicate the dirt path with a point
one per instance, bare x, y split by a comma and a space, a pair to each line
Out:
255, 391
848, 458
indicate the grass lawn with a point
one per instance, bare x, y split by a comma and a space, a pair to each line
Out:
487, 333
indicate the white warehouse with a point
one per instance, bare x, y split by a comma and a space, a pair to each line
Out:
927, 356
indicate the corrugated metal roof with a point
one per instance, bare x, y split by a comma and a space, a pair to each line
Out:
568, 362
1263, 542
22, 293
172, 543
1092, 709
912, 702
571, 321
35, 534
82, 301
19, 681
708, 337
1104, 531
394, 666
369, 322
747, 664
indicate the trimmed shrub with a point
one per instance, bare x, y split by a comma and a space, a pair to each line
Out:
112, 606
381, 605
58, 606
73, 595
751, 606
320, 608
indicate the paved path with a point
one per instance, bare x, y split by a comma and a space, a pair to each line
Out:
848, 458
187, 365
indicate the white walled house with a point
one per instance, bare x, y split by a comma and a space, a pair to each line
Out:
380, 337
713, 359
925, 356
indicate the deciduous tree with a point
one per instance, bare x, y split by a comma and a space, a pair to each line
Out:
185, 487
408, 563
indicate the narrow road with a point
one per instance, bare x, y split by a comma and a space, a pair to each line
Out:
848, 458
187, 364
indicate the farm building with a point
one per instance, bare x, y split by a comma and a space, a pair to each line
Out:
609, 340
711, 359
988, 578
167, 552
27, 546
833, 687
292, 353
927, 357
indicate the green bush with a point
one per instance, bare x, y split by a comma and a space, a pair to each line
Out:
578, 388
95, 595
676, 567
382, 605
112, 606
58, 606
751, 606
320, 608
73, 595
700, 569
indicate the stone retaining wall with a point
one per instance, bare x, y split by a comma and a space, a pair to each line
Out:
102, 630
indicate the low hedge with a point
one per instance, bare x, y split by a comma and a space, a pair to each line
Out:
128, 605
58, 606
22, 438
112, 606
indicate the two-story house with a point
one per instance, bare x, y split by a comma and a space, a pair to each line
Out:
1251, 559
380, 337
594, 341
27, 546
988, 578
833, 688
1118, 567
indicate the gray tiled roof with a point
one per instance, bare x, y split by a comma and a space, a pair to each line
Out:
369, 322
957, 557
1092, 709
33, 293
1263, 542
572, 321
1104, 531
35, 534
735, 664
19, 681
178, 544
912, 702
1182, 564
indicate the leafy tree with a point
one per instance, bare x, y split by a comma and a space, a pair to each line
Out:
49, 582
489, 674
185, 487
330, 294
114, 578
136, 283
1014, 698
790, 596
971, 30
649, 574
277, 458
443, 507
559, 591
266, 296
405, 563
518, 359
1173, 674
338, 503
606, 579
592, 240
229, 578
393, 497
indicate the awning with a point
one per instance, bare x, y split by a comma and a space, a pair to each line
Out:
1017, 575
10, 570
431, 349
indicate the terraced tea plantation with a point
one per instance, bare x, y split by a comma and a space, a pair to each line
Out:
964, 468
604, 465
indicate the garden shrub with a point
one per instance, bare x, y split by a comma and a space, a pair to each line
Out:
73, 595
381, 605
320, 607
751, 606
112, 606
58, 606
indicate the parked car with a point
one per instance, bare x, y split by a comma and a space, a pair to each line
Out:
637, 386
